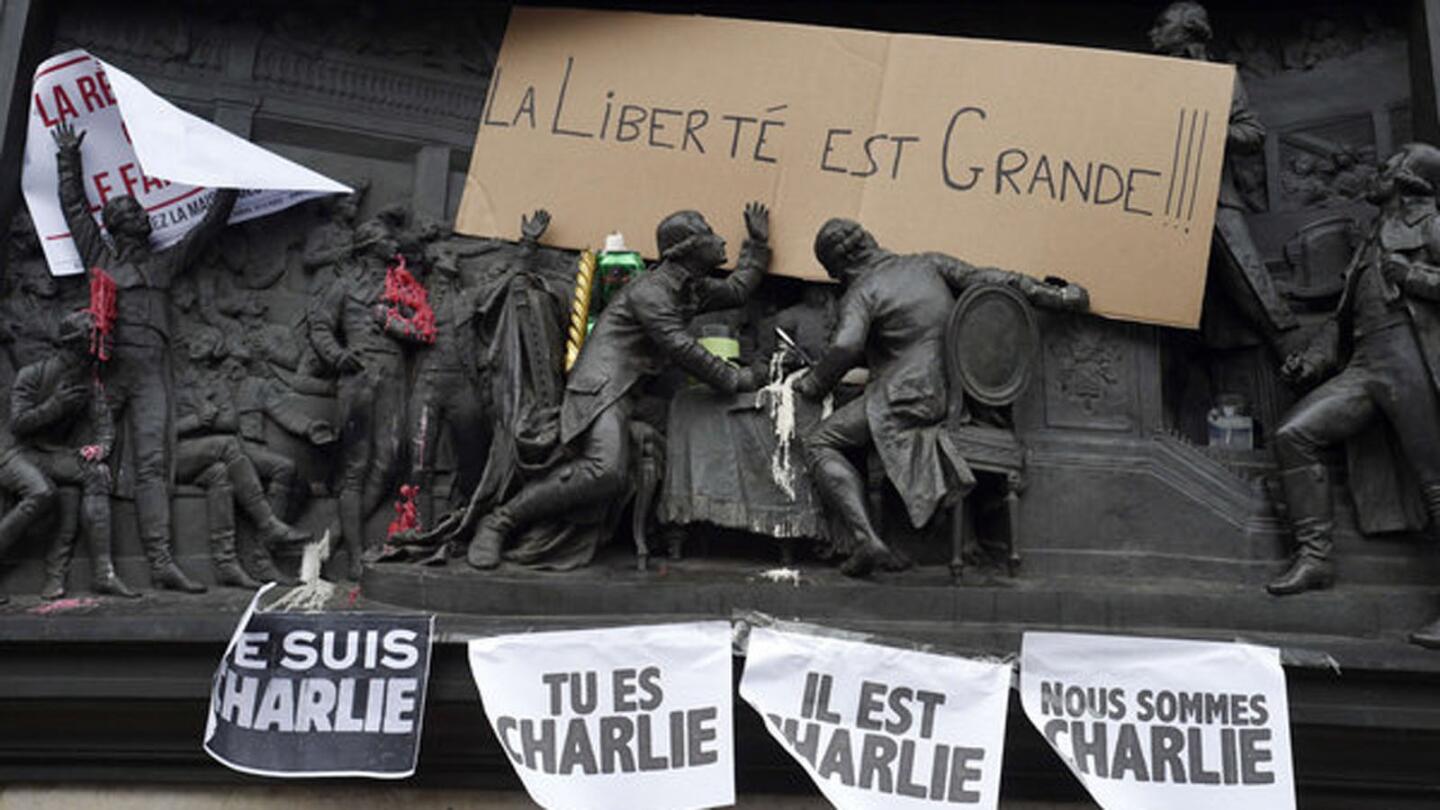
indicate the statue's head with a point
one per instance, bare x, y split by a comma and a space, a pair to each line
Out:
686, 237
124, 217
1182, 29
375, 238
1413, 170
73, 334
841, 246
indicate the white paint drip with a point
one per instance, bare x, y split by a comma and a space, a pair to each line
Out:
313, 592
780, 396
782, 575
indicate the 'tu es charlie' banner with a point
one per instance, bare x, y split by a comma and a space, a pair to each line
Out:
1158, 723
137, 143
880, 727
321, 694
629, 718
1099, 166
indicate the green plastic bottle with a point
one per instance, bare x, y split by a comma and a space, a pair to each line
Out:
615, 266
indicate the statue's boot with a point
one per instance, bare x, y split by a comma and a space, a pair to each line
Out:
253, 499
220, 513
551, 497
490, 536
95, 515
255, 555
62, 549
257, 561
352, 526
842, 490
152, 507
1307, 492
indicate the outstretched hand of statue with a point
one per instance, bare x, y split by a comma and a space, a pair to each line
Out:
1057, 293
66, 137
757, 222
533, 226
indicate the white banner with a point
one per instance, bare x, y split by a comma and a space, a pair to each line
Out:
128, 127
880, 727
1158, 723
630, 718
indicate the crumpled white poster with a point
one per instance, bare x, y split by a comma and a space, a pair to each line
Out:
137, 143
1149, 723
881, 727
624, 718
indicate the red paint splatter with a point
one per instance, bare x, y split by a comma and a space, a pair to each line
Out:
407, 516
64, 605
409, 311
102, 311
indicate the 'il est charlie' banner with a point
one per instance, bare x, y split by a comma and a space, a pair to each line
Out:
880, 727
1099, 166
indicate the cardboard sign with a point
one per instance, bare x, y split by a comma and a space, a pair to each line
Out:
1147, 723
879, 727
630, 718
137, 143
321, 694
1098, 166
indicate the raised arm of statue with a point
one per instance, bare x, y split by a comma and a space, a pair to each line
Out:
73, 203
733, 290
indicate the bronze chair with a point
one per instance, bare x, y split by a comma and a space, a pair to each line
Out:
991, 340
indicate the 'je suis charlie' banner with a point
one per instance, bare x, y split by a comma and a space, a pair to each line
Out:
881, 727
1099, 166
1158, 723
629, 718
321, 694
137, 143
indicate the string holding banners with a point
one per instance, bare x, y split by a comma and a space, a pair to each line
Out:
1145, 723
629, 718
138, 144
321, 694
880, 727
